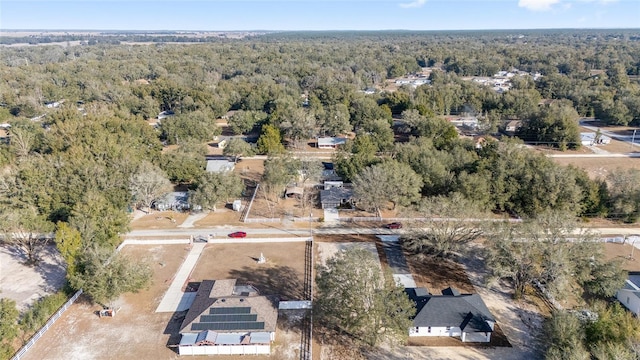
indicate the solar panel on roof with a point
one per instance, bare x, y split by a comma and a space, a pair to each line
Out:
230, 310
228, 318
227, 326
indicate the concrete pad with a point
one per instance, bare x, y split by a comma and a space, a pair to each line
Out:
389, 238
331, 215
191, 219
405, 279
173, 298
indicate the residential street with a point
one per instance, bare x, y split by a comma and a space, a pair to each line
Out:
584, 122
276, 229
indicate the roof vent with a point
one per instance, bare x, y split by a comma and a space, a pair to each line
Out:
241, 300
223, 300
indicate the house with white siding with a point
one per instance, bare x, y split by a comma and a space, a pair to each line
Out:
629, 295
451, 314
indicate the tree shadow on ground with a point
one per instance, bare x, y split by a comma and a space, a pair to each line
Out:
438, 274
278, 282
52, 269
49, 266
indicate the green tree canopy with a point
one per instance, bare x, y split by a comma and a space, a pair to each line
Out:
270, 141
357, 297
104, 276
212, 188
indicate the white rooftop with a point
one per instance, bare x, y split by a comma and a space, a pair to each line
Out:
220, 166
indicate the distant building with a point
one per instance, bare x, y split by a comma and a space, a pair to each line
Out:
591, 139
176, 201
467, 122
331, 142
335, 197
220, 166
220, 141
512, 127
165, 114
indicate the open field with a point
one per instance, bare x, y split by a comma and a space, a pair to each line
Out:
600, 167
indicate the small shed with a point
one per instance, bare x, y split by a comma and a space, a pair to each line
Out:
220, 141
237, 205
294, 192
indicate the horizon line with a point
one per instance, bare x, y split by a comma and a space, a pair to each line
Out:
321, 30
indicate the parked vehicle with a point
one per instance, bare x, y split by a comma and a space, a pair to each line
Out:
238, 234
394, 225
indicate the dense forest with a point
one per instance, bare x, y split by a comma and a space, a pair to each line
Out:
300, 85
81, 147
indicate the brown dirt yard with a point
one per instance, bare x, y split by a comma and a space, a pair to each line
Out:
281, 275
622, 252
138, 332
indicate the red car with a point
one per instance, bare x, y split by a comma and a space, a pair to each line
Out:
238, 234
394, 225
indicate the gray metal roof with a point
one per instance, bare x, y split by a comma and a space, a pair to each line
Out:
634, 278
207, 336
466, 311
260, 338
220, 166
331, 141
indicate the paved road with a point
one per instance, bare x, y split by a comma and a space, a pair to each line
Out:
223, 231
633, 141
608, 155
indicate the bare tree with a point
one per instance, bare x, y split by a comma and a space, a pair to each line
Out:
452, 223
26, 230
147, 184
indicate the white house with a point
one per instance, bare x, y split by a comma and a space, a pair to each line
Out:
629, 295
176, 201
331, 142
220, 141
227, 319
451, 314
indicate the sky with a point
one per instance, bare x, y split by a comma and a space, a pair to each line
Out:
228, 15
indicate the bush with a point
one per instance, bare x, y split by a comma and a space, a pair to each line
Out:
41, 311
